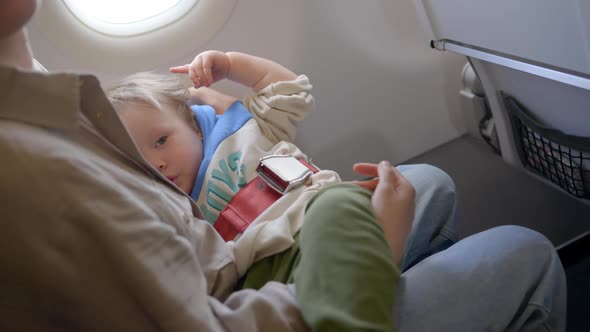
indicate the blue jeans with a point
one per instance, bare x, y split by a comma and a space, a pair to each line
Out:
508, 278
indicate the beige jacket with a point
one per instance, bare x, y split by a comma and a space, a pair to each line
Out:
276, 110
95, 239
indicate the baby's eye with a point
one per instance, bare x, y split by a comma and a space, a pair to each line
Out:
161, 141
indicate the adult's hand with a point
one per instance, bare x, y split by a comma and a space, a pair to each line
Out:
394, 202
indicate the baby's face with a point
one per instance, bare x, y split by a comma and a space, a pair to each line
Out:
166, 141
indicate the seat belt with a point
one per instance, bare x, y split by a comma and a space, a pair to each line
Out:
275, 178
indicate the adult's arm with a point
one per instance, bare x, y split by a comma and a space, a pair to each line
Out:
96, 244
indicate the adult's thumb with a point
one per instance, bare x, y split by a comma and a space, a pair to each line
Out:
386, 173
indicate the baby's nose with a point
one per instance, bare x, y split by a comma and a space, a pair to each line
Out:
162, 166
156, 160
158, 163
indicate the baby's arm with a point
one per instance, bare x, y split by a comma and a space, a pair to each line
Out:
255, 72
211, 66
207, 96
281, 99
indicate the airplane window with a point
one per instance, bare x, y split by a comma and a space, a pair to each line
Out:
82, 34
128, 17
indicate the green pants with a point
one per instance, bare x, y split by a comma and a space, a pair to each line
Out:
341, 265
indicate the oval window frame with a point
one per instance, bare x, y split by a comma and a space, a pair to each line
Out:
85, 49
145, 25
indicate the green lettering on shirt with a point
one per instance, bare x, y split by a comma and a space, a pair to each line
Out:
233, 161
214, 190
208, 215
228, 169
224, 176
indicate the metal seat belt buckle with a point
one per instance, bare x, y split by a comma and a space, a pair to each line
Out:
283, 173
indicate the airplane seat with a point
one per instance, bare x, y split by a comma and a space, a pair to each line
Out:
543, 126
532, 58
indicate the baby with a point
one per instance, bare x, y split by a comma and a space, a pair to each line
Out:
213, 149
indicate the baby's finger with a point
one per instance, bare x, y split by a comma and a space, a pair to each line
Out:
180, 69
207, 65
193, 75
200, 71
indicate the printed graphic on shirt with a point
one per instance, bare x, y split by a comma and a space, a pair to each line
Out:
227, 178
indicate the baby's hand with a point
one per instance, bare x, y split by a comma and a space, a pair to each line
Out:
208, 96
207, 68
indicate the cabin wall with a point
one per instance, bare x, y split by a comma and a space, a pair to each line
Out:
381, 92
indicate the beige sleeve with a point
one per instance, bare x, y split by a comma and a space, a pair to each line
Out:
278, 107
85, 248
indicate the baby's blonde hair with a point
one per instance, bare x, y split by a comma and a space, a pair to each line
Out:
155, 90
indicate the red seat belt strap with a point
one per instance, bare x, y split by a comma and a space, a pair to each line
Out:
246, 205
